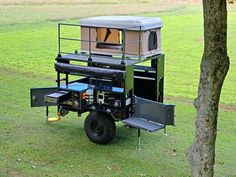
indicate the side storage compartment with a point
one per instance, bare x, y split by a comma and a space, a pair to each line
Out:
37, 96
153, 79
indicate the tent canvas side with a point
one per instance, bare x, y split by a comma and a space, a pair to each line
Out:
112, 44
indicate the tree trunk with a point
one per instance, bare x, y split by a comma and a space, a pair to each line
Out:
214, 67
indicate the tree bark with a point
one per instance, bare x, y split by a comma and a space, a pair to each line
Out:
214, 67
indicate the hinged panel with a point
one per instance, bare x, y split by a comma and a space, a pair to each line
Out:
37, 96
154, 111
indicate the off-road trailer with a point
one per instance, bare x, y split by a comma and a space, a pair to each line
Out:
114, 82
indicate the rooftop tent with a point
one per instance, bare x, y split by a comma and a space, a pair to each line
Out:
107, 33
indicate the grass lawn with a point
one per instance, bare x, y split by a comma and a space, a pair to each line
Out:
29, 147
27, 11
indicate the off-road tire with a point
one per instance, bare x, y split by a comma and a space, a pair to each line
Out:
100, 127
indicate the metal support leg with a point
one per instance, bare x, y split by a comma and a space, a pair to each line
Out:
47, 112
89, 58
52, 119
123, 47
164, 133
139, 139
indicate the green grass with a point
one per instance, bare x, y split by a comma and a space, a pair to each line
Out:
62, 149
56, 10
34, 44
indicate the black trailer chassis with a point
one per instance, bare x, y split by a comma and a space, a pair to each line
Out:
110, 89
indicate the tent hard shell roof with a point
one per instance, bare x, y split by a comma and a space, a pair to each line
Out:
123, 22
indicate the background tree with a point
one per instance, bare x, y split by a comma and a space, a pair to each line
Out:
214, 67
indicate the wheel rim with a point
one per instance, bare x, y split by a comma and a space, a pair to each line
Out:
97, 128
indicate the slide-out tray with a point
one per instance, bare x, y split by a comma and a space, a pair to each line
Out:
143, 124
57, 97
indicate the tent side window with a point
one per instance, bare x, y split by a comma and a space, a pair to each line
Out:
152, 41
108, 38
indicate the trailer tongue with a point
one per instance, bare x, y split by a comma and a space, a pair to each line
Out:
112, 83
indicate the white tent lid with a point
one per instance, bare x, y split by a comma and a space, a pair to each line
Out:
123, 22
